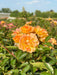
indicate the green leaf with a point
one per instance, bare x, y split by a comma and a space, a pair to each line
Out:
55, 71
13, 61
22, 56
5, 40
13, 72
48, 44
12, 47
1, 33
49, 67
26, 68
39, 65
55, 51
45, 73
24, 64
47, 38
18, 54
34, 69
43, 65
4, 62
52, 62
46, 48
2, 55
22, 73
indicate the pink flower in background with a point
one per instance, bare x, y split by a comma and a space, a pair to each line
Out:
7, 26
17, 31
10, 24
0, 22
4, 25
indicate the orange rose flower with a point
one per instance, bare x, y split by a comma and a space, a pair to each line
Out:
17, 38
28, 42
27, 29
52, 41
42, 33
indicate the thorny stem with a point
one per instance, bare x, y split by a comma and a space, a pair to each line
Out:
8, 51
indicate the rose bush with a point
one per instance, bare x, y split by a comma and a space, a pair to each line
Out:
30, 49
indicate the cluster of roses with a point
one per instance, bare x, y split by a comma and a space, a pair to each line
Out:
27, 38
7, 26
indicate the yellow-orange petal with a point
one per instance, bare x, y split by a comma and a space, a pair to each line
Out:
49, 19
28, 23
42, 33
2, 22
27, 29
17, 38
28, 42
55, 22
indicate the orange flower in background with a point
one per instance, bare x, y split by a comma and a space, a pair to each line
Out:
51, 47
2, 22
49, 19
55, 22
52, 41
27, 29
28, 23
17, 38
28, 42
51, 22
42, 33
